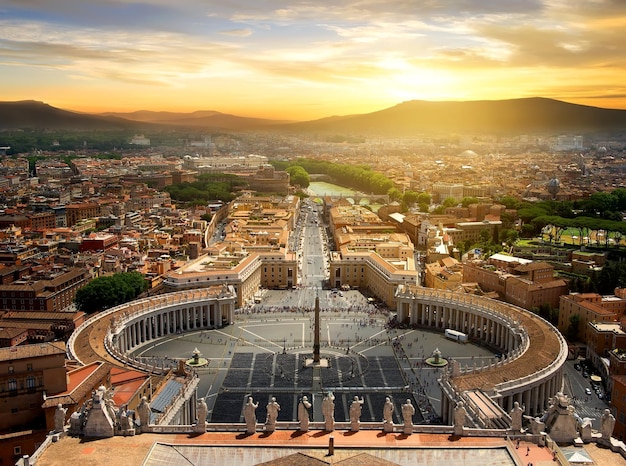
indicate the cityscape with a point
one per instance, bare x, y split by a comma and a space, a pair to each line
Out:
405, 244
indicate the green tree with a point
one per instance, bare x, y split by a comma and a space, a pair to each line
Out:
395, 195
572, 329
409, 198
449, 202
509, 236
468, 200
424, 198
299, 176
484, 237
510, 202
111, 290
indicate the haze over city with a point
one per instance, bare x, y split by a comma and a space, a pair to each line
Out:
304, 60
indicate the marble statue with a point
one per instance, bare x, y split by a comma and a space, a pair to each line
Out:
536, 425
408, 410
303, 413
59, 418
328, 410
388, 415
143, 410
607, 423
516, 417
355, 413
124, 421
202, 411
459, 418
586, 429
272, 414
76, 423
249, 414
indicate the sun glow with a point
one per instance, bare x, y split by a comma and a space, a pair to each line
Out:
309, 61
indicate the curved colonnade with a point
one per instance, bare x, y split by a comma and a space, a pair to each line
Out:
536, 351
530, 374
112, 334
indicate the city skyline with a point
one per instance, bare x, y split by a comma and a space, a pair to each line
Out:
304, 61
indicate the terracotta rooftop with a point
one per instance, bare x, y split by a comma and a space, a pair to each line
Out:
241, 449
30, 351
283, 447
81, 382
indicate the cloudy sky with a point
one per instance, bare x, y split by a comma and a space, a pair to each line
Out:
308, 59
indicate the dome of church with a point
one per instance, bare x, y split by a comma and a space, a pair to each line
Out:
554, 182
554, 186
468, 154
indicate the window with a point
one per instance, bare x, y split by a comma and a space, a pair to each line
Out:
30, 382
12, 384
29, 367
17, 450
11, 370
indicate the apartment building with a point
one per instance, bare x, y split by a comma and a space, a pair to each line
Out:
252, 253
442, 190
606, 342
618, 402
517, 281
444, 274
370, 272
76, 212
370, 254
43, 291
590, 307
28, 374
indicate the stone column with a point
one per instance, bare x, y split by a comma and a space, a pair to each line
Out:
148, 323
231, 313
132, 336
540, 397
401, 311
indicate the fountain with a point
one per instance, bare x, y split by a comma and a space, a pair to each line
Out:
436, 360
196, 360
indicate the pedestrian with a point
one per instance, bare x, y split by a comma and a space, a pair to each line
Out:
527, 450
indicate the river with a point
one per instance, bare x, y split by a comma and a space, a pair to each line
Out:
322, 188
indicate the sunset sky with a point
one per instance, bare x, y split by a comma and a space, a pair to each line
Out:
308, 59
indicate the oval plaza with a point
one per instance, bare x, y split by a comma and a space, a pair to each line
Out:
529, 371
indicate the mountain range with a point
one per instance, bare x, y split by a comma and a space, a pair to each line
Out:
514, 116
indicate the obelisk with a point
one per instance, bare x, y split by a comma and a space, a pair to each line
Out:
316, 337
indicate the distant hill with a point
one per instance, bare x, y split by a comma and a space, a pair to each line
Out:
200, 119
38, 115
516, 116
532, 115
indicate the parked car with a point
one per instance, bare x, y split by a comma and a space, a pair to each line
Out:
588, 391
